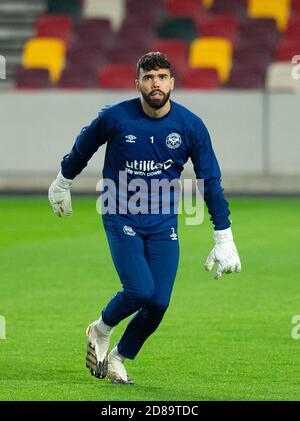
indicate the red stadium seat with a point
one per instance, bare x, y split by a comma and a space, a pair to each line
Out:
176, 50
296, 7
187, 8
286, 49
200, 79
218, 26
56, 26
117, 76
292, 32
33, 79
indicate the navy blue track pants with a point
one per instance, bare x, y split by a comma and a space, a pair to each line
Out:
146, 263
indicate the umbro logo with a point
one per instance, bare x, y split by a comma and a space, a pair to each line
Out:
130, 138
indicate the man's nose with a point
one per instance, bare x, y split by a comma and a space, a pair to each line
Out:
155, 82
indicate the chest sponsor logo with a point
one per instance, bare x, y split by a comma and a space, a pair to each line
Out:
173, 140
147, 168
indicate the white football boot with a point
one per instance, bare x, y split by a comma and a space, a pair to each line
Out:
98, 336
116, 370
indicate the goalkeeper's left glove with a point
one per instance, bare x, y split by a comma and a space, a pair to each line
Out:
224, 254
59, 196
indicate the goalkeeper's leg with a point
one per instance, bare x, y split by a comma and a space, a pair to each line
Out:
138, 287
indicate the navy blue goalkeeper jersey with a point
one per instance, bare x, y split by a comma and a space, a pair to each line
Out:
147, 149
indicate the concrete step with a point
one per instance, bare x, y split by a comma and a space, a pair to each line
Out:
14, 34
23, 7
12, 19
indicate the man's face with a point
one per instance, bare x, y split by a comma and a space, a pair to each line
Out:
155, 86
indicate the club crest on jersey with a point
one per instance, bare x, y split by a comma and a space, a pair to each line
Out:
173, 141
128, 230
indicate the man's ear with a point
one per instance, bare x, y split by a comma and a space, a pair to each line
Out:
172, 83
137, 85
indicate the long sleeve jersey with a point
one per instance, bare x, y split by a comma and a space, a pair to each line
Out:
145, 148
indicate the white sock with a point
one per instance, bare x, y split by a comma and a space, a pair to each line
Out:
115, 354
104, 328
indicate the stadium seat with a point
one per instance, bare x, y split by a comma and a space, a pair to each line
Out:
86, 59
94, 27
292, 32
178, 28
154, 9
259, 31
68, 7
129, 55
279, 10
207, 3
218, 26
237, 8
212, 52
253, 54
48, 53
200, 79
54, 26
295, 8
243, 79
113, 10
117, 76
279, 78
136, 35
186, 8
286, 49
176, 50
32, 79
80, 78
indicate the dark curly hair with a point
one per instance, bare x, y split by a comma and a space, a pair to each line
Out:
152, 61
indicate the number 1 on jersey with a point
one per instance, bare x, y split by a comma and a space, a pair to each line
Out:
152, 139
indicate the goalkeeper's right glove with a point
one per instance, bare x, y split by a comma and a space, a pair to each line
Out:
59, 196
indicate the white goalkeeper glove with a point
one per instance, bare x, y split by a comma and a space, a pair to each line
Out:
224, 254
59, 196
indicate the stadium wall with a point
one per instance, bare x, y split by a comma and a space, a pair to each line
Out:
254, 136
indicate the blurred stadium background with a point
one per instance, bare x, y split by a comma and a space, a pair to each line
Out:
65, 59
232, 60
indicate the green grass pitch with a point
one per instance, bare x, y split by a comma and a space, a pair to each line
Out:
220, 340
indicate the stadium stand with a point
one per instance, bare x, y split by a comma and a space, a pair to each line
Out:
33, 79
176, 49
279, 10
240, 39
48, 53
206, 79
179, 27
71, 8
117, 76
212, 52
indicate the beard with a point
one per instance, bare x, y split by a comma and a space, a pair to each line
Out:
156, 103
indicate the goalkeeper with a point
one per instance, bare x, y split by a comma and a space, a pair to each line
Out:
147, 138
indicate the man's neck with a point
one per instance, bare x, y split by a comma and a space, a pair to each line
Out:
152, 112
